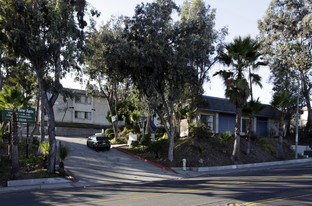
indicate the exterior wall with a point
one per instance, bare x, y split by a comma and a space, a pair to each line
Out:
223, 122
67, 111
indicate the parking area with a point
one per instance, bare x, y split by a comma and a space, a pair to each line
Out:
108, 167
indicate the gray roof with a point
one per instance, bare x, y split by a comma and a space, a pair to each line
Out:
222, 105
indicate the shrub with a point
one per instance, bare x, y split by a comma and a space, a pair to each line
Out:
159, 132
63, 152
45, 146
201, 131
31, 161
226, 137
146, 140
156, 148
109, 133
134, 144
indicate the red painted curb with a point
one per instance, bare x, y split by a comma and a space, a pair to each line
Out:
145, 160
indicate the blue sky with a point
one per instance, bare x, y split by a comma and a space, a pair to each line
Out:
240, 16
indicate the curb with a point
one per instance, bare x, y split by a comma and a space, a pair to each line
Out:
243, 166
145, 160
40, 181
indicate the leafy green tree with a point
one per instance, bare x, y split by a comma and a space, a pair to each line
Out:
12, 98
105, 61
156, 68
199, 41
285, 33
49, 35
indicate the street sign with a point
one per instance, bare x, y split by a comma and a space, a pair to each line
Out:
114, 118
24, 115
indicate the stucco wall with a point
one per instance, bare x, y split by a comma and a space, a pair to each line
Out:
64, 111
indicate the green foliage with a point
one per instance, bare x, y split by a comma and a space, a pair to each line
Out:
160, 131
226, 137
134, 144
109, 133
201, 131
156, 147
266, 145
31, 161
120, 140
63, 152
146, 140
42, 173
135, 116
164, 137
12, 97
192, 127
44, 147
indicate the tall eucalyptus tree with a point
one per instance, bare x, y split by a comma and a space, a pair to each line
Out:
49, 35
285, 31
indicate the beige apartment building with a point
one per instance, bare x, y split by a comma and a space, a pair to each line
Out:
82, 115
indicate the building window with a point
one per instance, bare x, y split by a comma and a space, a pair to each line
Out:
83, 99
83, 115
78, 99
209, 119
87, 100
88, 115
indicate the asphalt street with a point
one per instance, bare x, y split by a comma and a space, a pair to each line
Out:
281, 186
115, 178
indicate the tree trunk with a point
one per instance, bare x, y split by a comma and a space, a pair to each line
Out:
51, 127
279, 153
14, 142
236, 148
148, 123
116, 109
249, 132
42, 132
306, 94
31, 137
170, 130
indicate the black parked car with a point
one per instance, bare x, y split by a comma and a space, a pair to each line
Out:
98, 142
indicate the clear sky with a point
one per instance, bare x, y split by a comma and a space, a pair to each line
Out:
240, 16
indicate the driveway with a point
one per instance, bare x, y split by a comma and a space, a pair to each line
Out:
108, 167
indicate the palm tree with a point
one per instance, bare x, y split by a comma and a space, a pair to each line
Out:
240, 55
13, 99
282, 101
250, 109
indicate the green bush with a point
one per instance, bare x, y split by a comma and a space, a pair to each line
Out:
31, 161
226, 137
156, 147
109, 133
63, 152
45, 148
201, 131
192, 127
134, 144
146, 140
159, 132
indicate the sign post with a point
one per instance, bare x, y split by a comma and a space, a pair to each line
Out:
24, 115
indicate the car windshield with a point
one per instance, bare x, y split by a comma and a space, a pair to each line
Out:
101, 139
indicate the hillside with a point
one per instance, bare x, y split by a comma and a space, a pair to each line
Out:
211, 152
